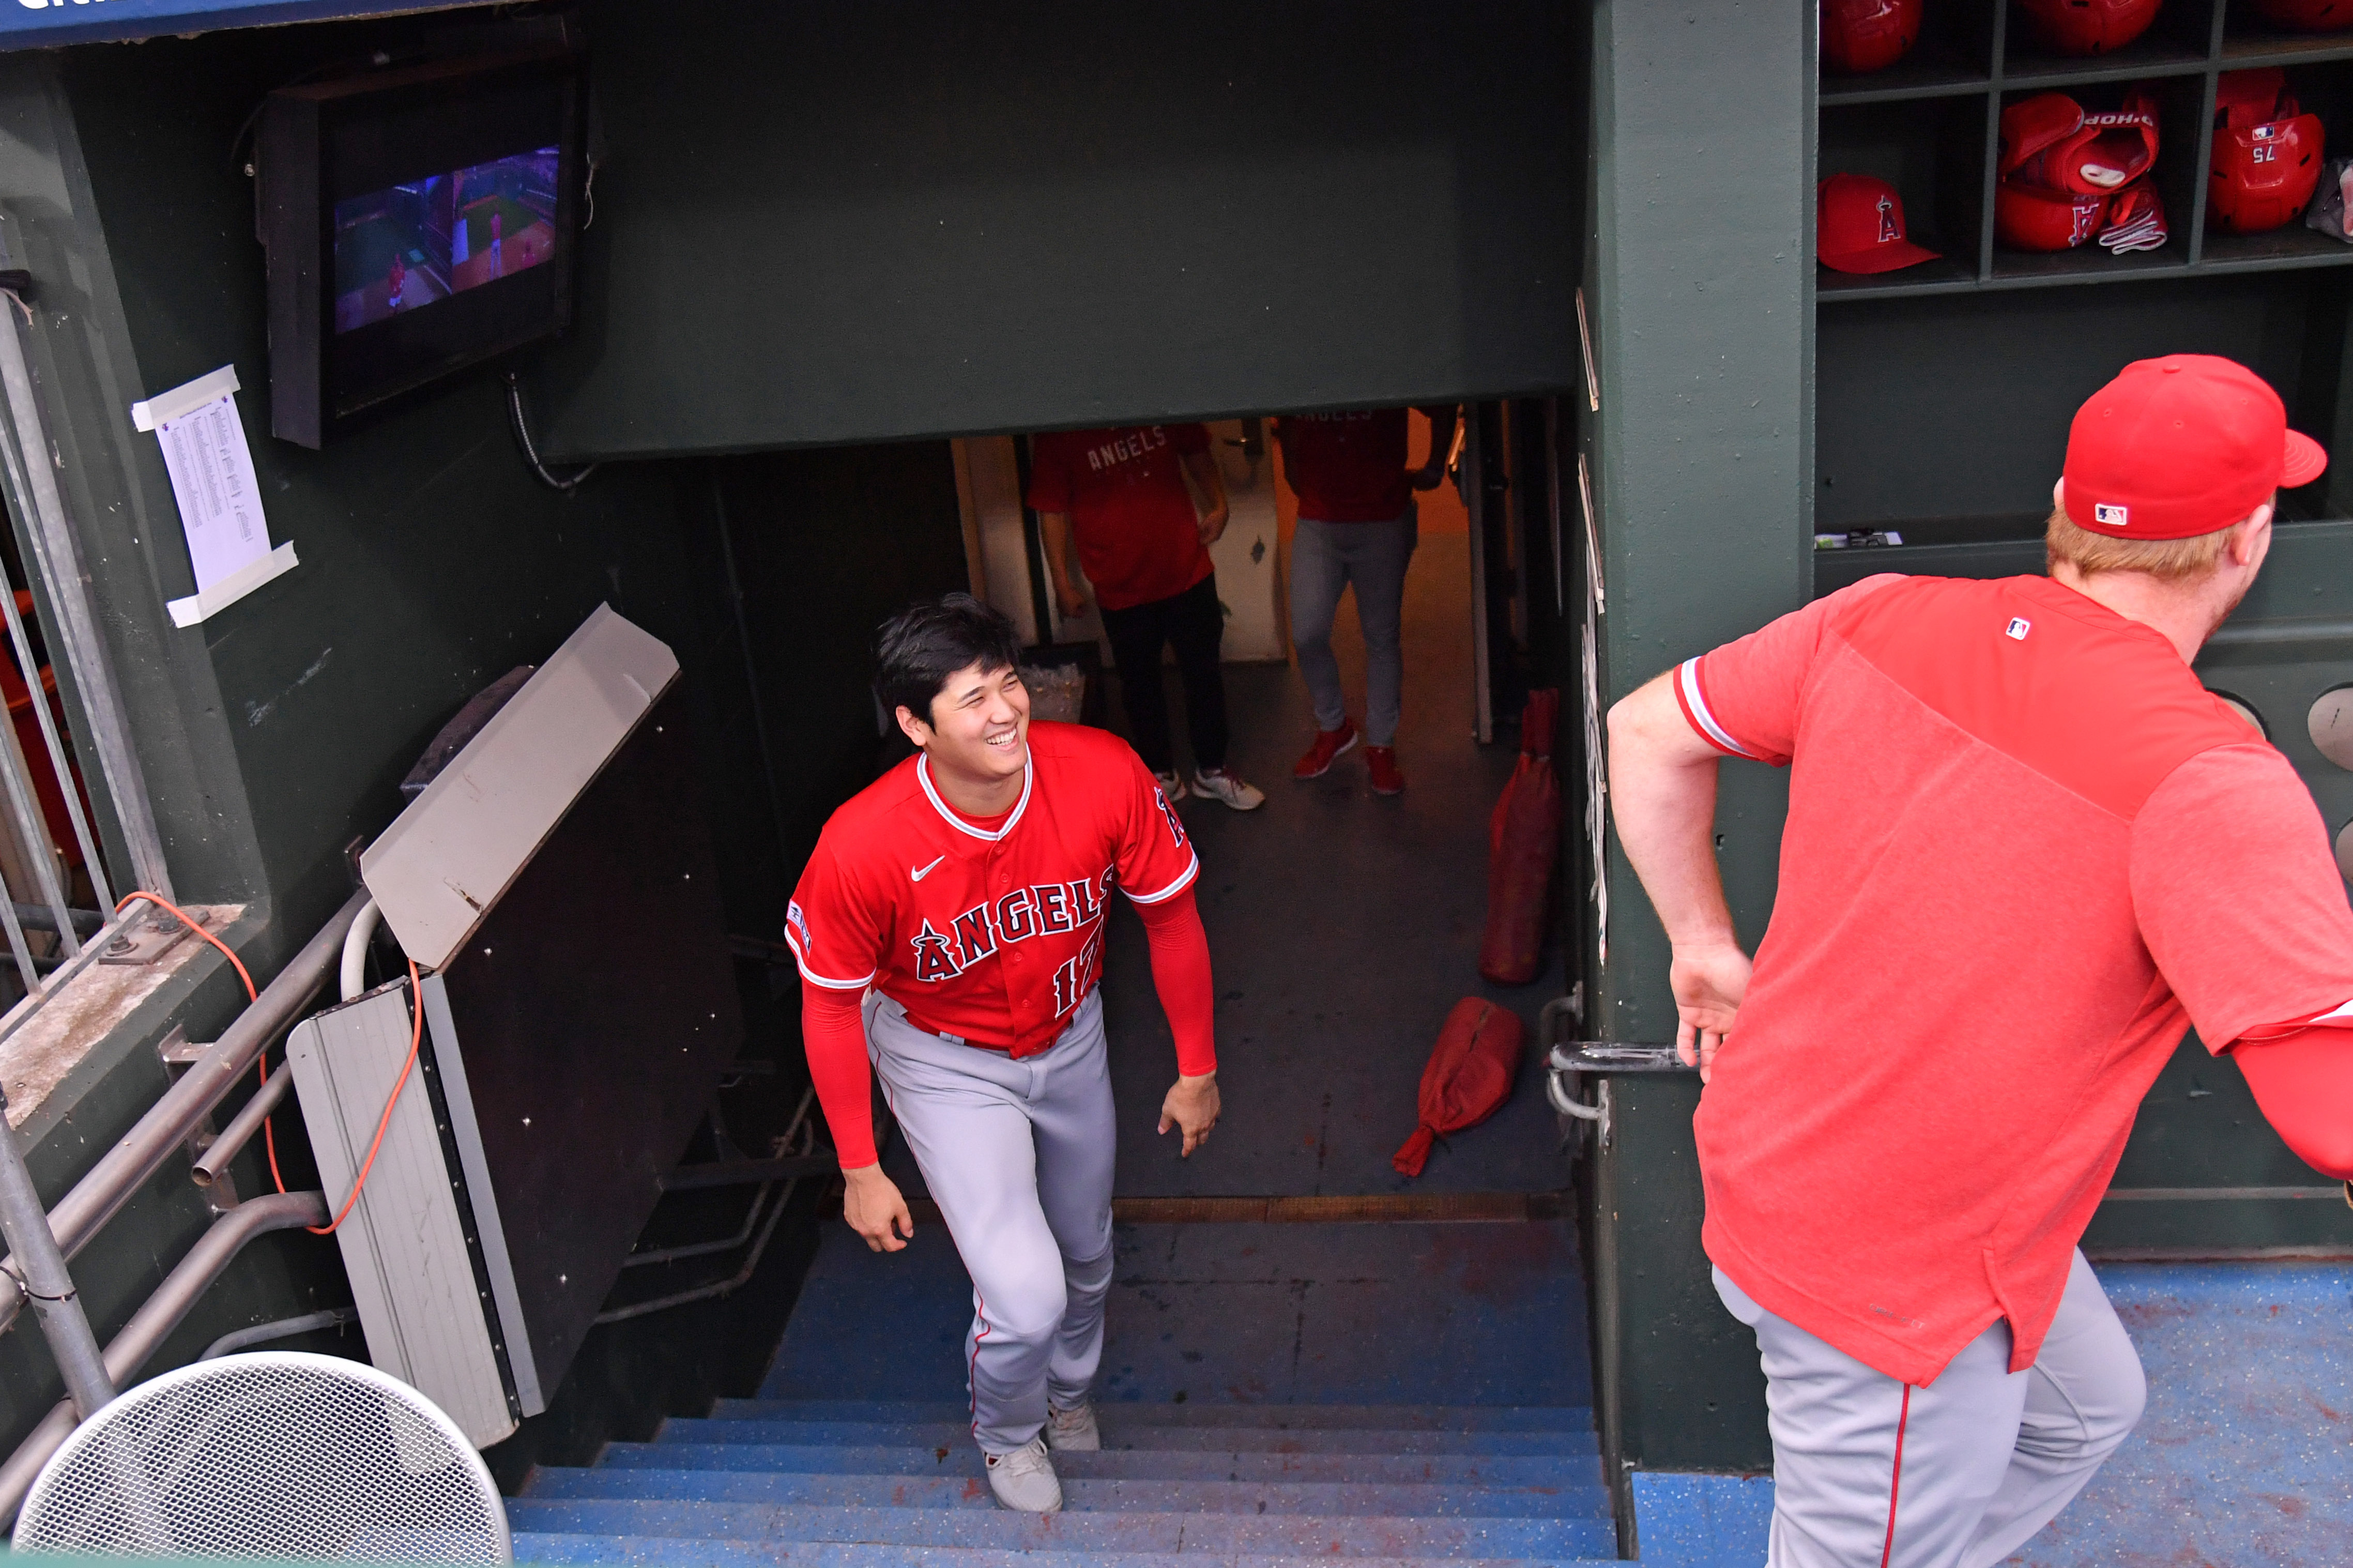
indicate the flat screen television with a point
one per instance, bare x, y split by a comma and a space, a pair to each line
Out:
418, 220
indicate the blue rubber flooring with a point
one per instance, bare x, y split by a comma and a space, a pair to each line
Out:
2244, 1459
1281, 1314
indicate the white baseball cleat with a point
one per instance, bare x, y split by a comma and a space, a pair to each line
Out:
1074, 1431
1024, 1479
1172, 784
1221, 785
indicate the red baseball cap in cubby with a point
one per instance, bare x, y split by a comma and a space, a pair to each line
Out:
2182, 445
1859, 226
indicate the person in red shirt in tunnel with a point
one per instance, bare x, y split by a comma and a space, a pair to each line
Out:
2026, 850
1357, 526
1122, 494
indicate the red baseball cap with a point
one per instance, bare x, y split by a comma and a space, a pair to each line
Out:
2182, 445
1859, 226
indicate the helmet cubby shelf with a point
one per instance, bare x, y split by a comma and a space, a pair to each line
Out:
1943, 388
1973, 60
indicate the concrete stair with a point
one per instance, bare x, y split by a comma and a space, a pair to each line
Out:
874, 1484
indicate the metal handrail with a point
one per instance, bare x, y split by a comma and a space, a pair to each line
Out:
122, 1170
148, 1327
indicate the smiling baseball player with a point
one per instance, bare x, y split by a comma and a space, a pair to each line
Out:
949, 927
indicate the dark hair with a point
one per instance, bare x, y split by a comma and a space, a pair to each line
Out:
918, 649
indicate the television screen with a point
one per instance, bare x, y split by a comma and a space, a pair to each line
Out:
419, 220
410, 245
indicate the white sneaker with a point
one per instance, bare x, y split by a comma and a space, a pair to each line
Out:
1172, 785
1221, 785
1074, 1431
1024, 1479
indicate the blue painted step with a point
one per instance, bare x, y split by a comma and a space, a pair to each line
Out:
1117, 1434
654, 1551
1317, 1417
1080, 1532
1329, 1499
1571, 1469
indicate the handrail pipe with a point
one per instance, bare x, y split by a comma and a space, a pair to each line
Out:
122, 1170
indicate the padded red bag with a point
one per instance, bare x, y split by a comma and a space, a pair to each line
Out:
1523, 851
1468, 1077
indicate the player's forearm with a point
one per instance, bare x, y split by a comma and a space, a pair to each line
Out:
1662, 801
1180, 973
1055, 529
2304, 1083
1203, 469
833, 1033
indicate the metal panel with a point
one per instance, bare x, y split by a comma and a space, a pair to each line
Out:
489, 1230
445, 861
597, 1005
403, 1243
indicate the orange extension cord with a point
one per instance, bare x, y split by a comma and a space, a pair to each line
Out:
269, 1132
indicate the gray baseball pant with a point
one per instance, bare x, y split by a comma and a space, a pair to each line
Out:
1326, 557
1018, 1157
1989, 1455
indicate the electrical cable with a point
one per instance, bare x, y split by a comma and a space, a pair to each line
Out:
269, 1133
531, 452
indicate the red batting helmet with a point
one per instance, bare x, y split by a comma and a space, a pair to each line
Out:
2267, 155
2088, 26
2028, 217
2308, 15
1868, 35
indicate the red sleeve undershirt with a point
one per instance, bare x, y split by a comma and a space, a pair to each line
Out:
833, 1027
2302, 1080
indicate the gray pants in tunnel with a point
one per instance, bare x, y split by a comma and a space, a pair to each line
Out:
1018, 1155
1957, 1473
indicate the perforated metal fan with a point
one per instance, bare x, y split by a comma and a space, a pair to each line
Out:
276, 1453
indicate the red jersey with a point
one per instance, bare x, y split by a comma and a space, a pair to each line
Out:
990, 936
1347, 467
1139, 536
2025, 851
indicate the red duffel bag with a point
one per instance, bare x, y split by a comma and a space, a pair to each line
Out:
1469, 1075
1522, 849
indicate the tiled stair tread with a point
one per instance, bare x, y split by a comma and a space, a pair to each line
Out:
1205, 1413
1354, 1499
663, 1552
1572, 1469
1199, 1439
1090, 1532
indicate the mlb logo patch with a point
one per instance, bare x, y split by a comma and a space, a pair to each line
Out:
2114, 516
2018, 628
796, 922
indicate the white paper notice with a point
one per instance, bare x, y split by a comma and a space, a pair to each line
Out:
220, 502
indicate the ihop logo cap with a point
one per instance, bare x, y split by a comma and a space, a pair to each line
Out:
2182, 445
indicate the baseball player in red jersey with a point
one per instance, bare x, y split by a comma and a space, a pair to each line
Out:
2026, 850
949, 930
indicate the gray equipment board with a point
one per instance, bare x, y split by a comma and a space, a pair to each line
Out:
406, 1241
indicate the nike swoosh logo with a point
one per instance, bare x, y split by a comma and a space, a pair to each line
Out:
920, 874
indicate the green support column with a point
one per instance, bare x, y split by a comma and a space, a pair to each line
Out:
1702, 328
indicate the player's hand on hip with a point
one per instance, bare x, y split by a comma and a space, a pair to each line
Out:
871, 1203
1192, 1106
1709, 981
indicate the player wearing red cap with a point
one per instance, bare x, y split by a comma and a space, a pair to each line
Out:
949, 927
2025, 851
